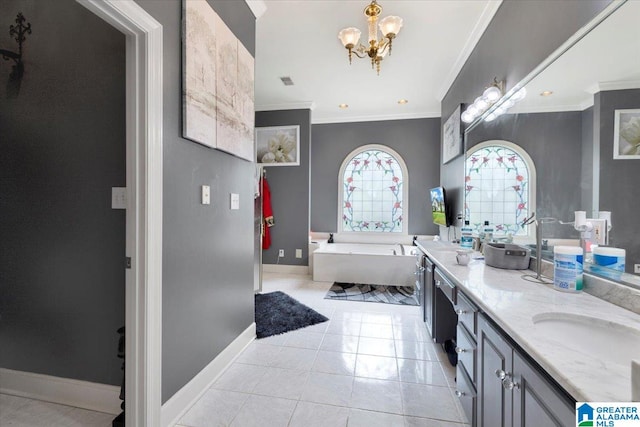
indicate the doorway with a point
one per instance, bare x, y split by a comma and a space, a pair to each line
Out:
143, 280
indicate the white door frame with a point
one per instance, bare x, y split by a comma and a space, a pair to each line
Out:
143, 311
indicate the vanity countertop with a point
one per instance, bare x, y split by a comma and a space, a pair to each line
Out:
513, 302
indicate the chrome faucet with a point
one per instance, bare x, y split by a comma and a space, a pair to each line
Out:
401, 248
538, 223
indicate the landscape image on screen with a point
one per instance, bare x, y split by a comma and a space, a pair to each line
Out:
438, 206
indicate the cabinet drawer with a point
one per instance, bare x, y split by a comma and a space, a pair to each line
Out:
466, 349
466, 393
467, 314
445, 285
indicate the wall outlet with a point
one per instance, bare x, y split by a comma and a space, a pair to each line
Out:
281, 253
119, 198
298, 253
636, 268
206, 195
235, 201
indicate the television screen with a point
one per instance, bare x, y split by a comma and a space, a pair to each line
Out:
439, 206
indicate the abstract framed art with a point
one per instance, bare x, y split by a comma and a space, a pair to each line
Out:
452, 137
218, 75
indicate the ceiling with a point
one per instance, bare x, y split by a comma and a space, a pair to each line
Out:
299, 39
607, 58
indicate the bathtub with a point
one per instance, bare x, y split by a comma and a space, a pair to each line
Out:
376, 264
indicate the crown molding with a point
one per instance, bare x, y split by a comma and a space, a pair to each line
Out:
258, 7
306, 105
483, 22
615, 85
351, 119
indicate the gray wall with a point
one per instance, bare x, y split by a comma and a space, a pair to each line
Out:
521, 35
289, 187
554, 142
62, 247
207, 289
417, 141
586, 182
619, 191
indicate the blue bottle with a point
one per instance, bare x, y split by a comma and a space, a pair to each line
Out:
466, 236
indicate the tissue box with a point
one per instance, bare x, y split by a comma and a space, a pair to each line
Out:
507, 256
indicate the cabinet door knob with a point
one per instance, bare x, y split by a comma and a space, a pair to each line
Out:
501, 374
460, 312
460, 350
509, 384
460, 393
438, 284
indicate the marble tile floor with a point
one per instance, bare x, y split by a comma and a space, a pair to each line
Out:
371, 365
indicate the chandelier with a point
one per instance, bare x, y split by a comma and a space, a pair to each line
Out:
377, 49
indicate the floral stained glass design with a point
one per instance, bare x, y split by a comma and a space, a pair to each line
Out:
372, 193
497, 190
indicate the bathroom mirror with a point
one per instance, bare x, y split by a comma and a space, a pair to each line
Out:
567, 124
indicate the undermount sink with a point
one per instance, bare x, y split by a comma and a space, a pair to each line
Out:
601, 339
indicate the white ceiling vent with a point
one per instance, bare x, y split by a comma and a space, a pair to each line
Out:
287, 81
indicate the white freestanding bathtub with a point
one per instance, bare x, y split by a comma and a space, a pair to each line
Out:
374, 264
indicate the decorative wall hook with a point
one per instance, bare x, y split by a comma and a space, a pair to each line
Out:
18, 33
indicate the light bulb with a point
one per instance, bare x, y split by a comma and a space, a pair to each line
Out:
349, 36
492, 94
481, 103
473, 110
390, 26
519, 95
490, 117
467, 117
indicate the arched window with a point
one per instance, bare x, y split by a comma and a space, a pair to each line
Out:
373, 193
499, 187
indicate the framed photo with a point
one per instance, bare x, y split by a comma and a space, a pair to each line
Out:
278, 146
626, 134
452, 137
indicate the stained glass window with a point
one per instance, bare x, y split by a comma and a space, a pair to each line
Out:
373, 191
498, 188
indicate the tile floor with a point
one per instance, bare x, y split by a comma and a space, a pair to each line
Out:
370, 365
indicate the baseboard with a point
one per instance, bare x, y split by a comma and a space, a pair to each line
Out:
65, 391
175, 408
285, 269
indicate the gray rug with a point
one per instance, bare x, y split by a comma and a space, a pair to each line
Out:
277, 313
402, 295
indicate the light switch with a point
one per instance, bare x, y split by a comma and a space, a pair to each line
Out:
119, 198
298, 253
206, 195
235, 201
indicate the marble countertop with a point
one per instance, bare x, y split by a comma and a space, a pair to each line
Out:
513, 302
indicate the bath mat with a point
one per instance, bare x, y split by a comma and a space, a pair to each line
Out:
277, 313
402, 295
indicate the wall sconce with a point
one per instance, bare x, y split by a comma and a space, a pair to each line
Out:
489, 97
17, 70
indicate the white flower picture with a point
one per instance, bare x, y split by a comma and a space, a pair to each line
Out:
626, 139
278, 146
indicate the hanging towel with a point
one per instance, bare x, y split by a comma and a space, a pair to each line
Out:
267, 215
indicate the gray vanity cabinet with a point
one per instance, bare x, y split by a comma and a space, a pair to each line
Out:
495, 355
511, 390
536, 402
